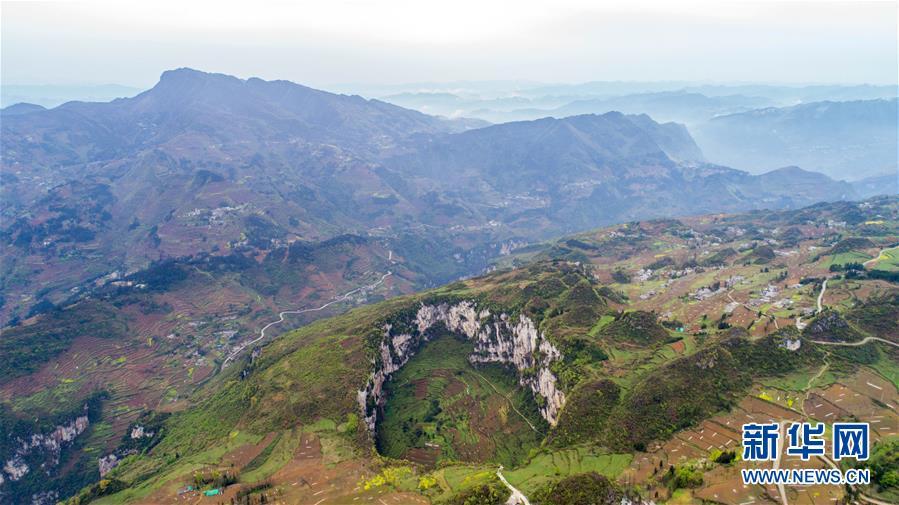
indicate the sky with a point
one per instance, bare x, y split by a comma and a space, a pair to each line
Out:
331, 42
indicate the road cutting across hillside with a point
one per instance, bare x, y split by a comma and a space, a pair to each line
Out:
281, 315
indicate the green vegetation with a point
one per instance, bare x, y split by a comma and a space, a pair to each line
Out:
636, 327
273, 457
867, 354
846, 258
443, 407
263, 456
720, 257
888, 366
691, 388
629, 380
884, 465
603, 321
888, 260
586, 488
761, 255
547, 466
685, 476
878, 316
489, 493
830, 326
851, 244
584, 416
676, 396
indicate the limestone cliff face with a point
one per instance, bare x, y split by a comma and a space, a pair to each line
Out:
45, 447
497, 338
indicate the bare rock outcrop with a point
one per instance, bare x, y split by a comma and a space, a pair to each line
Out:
497, 338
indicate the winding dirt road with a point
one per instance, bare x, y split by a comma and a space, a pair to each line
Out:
281, 315
860, 342
821, 295
879, 256
799, 324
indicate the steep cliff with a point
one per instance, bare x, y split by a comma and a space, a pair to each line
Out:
50, 445
497, 338
42, 458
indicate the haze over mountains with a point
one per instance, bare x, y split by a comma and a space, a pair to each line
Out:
49, 95
851, 140
208, 162
211, 163
847, 132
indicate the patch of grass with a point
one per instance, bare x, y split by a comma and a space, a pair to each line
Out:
604, 320
548, 466
888, 367
798, 381
322, 425
458, 477
681, 497
888, 260
280, 451
844, 258
60, 398
261, 458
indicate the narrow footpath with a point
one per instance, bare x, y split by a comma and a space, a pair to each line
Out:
517, 497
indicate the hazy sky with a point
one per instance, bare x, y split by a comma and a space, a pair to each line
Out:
392, 41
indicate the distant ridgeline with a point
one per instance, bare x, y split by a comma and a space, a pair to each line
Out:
250, 165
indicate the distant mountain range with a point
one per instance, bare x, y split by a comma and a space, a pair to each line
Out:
51, 95
848, 140
887, 184
212, 163
680, 101
680, 106
848, 132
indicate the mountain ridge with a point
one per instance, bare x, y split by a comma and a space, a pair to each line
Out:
216, 152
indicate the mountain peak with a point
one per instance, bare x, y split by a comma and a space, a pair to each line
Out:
184, 79
21, 108
186, 73
793, 170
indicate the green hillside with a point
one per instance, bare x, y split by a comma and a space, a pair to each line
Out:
473, 387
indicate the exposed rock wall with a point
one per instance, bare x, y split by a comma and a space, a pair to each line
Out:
497, 338
112, 460
15, 466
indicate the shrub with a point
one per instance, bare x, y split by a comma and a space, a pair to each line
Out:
583, 489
